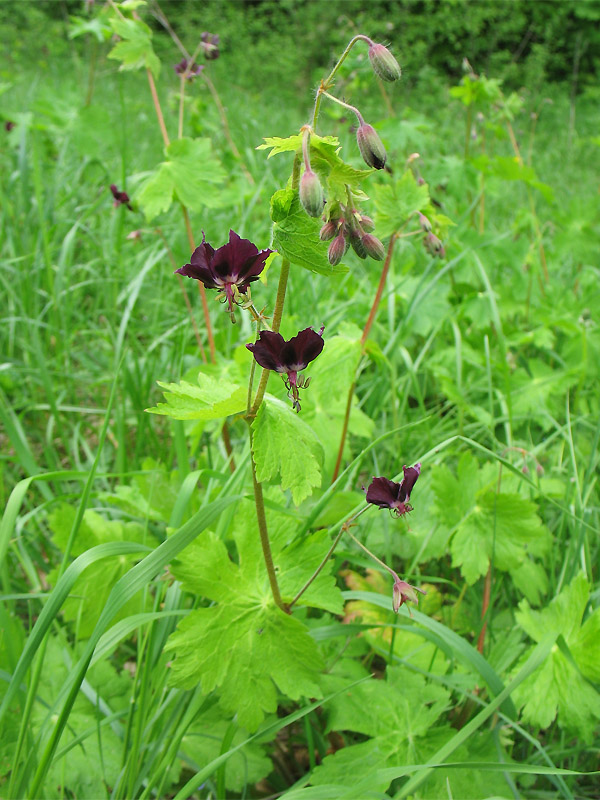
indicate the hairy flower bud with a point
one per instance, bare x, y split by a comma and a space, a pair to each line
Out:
356, 240
424, 223
337, 248
311, 194
366, 223
383, 62
329, 230
434, 246
373, 246
370, 146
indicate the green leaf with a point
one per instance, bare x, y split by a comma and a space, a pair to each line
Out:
331, 375
283, 444
134, 51
190, 174
559, 685
486, 525
210, 399
156, 194
296, 235
245, 646
293, 144
96, 26
397, 202
92, 589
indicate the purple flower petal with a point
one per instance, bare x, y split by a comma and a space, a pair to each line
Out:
302, 349
410, 478
383, 493
267, 350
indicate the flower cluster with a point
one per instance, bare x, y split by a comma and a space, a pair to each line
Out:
348, 226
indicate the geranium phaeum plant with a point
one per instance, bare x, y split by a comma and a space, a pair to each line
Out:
188, 70
120, 198
388, 494
272, 351
230, 269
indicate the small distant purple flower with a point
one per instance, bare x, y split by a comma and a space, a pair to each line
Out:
9, 125
190, 72
210, 45
271, 351
230, 269
387, 494
403, 593
121, 198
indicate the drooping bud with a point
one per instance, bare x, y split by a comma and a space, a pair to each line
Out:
434, 246
373, 246
311, 194
337, 248
329, 230
424, 223
383, 62
356, 240
370, 146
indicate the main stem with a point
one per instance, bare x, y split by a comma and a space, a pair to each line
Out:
363, 340
264, 534
327, 83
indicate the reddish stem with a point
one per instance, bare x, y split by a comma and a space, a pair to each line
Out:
363, 339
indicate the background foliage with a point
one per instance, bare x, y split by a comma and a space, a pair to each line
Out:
136, 613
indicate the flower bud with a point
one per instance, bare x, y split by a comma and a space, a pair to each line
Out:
311, 194
329, 230
366, 223
383, 62
424, 223
370, 146
373, 246
337, 248
356, 240
434, 246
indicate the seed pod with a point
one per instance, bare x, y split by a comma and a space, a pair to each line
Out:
374, 247
311, 194
337, 248
370, 146
383, 62
356, 240
329, 230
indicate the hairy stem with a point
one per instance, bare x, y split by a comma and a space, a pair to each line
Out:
374, 557
158, 109
363, 340
327, 83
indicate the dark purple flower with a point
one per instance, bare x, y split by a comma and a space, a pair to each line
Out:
9, 125
271, 351
230, 269
387, 494
189, 72
210, 45
121, 198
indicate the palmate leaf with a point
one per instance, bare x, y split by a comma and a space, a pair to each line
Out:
397, 202
561, 686
296, 235
244, 645
283, 444
134, 51
210, 399
190, 174
293, 144
485, 524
